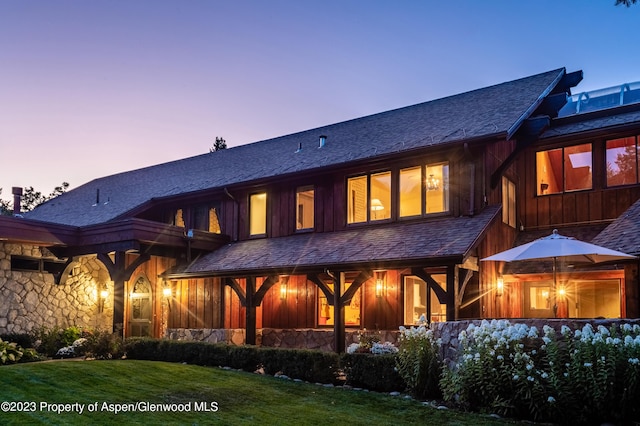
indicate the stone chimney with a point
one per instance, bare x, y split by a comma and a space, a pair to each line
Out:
17, 199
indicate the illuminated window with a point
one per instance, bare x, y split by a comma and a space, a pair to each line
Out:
206, 218
357, 199
258, 214
421, 303
380, 196
622, 161
178, 218
304, 207
411, 192
508, 202
564, 169
437, 186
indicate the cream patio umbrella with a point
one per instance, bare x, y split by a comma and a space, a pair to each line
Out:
556, 246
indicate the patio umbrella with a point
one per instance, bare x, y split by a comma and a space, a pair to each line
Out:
556, 246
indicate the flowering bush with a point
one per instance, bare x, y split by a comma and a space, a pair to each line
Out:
577, 377
418, 362
369, 343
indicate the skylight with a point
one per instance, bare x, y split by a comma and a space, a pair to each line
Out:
595, 100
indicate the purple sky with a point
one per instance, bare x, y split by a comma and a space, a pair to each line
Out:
92, 88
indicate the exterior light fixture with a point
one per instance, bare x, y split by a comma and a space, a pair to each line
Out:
166, 292
562, 292
433, 183
102, 296
500, 286
381, 283
284, 281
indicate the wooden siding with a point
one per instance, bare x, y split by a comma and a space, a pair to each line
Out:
594, 206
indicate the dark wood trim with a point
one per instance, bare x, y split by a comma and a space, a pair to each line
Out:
233, 284
269, 282
355, 286
315, 278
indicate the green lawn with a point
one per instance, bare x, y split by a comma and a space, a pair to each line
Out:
240, 398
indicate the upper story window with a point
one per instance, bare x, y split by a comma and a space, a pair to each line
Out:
304, 208
508, 202
622, 161
564, 169
258, 214
421, 190
369, 198
424, 190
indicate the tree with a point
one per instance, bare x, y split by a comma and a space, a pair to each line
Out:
31, 199
627, 3
219, 144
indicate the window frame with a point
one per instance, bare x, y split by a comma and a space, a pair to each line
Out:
636, 139
541, 185
251, 209
298, 191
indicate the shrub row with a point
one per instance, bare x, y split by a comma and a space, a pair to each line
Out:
374, 372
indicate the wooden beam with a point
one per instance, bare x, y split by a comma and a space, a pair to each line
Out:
552, 104
315, 278
467, 277
431, 283
338, 315
452, 307
355, 286
231, 282
262, 291
250, 312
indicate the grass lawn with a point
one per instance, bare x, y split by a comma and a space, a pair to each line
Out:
240, 398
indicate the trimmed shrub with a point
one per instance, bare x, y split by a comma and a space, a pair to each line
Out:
303, 364
373, 372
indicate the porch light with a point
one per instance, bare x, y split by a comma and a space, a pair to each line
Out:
284, 280
103, 294
500, 286
562, 292
166, 292
433, 183
381, 283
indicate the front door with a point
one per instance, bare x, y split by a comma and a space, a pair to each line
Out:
140, 312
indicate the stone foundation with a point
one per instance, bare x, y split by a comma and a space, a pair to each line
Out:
31, 299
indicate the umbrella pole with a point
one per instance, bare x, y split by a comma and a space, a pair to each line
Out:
555, 298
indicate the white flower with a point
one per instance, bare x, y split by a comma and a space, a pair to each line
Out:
516, 377
588, 364
551, 400
634, 361
529, 378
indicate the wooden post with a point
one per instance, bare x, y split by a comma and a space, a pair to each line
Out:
338, 314
250, 312
451, 293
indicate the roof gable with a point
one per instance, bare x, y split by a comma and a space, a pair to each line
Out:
494, 111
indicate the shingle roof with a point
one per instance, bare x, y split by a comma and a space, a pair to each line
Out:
623, 234
592, 124
494, 111
446, 237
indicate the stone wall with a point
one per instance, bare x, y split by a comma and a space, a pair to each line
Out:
31, 299
320, 339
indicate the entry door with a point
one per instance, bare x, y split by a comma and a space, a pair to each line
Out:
140, 312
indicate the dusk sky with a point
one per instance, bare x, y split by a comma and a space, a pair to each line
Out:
93, 88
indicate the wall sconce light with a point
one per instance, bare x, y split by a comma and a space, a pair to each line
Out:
166, 292
381, 283
500, 286
433, 183
562, 291
284, 281
102, 296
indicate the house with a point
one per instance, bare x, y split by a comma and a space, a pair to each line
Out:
372, 223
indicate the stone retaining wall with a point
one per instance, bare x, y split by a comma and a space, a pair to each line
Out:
322, 339
29, 300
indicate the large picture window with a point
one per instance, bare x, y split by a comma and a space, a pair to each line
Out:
564, 169
622, 161
424, 190
380, 196
437, 186
258, 214
411, 192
